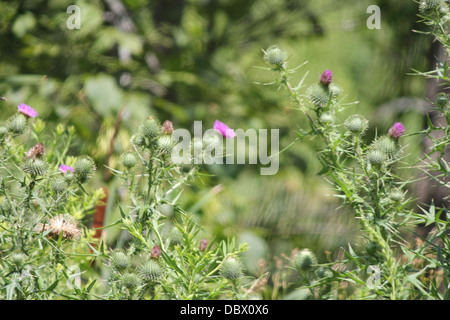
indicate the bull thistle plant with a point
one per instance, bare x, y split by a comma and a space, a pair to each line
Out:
365, 177
48, 251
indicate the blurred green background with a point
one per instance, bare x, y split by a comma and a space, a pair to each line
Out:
187, 60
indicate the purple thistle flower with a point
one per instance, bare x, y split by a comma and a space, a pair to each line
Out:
64, 168
27, 110
397, 130
224, 129
326, 78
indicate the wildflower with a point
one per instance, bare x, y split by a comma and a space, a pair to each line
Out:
167, 127
231, 269
155, 253
326, 78
224, 129
119, 261
397, 130
61, 224
150, 270
274, 55
27, 110
203, 245
304, 260
36, 152
64, 168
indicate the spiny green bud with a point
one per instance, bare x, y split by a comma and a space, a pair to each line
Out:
138, 140
326, 118
3, 131
166, 209
130, 280
441, 100
59, 184
376, 156
335, 90
175, 236
231, 269
319, 95
356, 124
128, 159
69, 176
275, 56
150, 271
84, 168
18, 259
387, 145
165, 144
433, 8
304, 260
35, 167
396, 195
323, 272
150, 128
119, 261
17, 125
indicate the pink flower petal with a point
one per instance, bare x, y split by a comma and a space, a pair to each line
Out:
64, 168
27, 110
226, 131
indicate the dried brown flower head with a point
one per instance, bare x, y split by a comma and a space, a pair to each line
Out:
36, 152
62, 223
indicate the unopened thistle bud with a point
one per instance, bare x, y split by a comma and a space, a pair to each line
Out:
335, 90
84, 168
318, 95
155, 253
203, 245
326, 118
17, 124
356, 124
396, 195
441, 100
138, 140
387, 145
119, 261
3, 131
59, 184
150, 271
231, 269
165, 144
130, 280
128, 160
175, 236
304, 260
35, 167
433, 8
167, 127
376, 156
150, 128
275, 56
18, 260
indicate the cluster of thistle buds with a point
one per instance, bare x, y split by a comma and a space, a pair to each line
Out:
154, 137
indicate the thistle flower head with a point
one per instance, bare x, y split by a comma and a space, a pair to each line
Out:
63, 224
35, 167
36, 152
119, 261
18, 259
165, 144
441, 100
356, 124
376, 156
59, 184
84, 168
175, 236
304, 260
203, 245
224, 129
155, 253
130, 280
17, 124
396, 195
326, 77
27, 110
275, 56
231, 269
387, 145
128, 160
319, 95
167, 127
3, 131
150, 271
150, 128
64, 168
397, 130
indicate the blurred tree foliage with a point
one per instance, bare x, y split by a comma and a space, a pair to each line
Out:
187, 60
